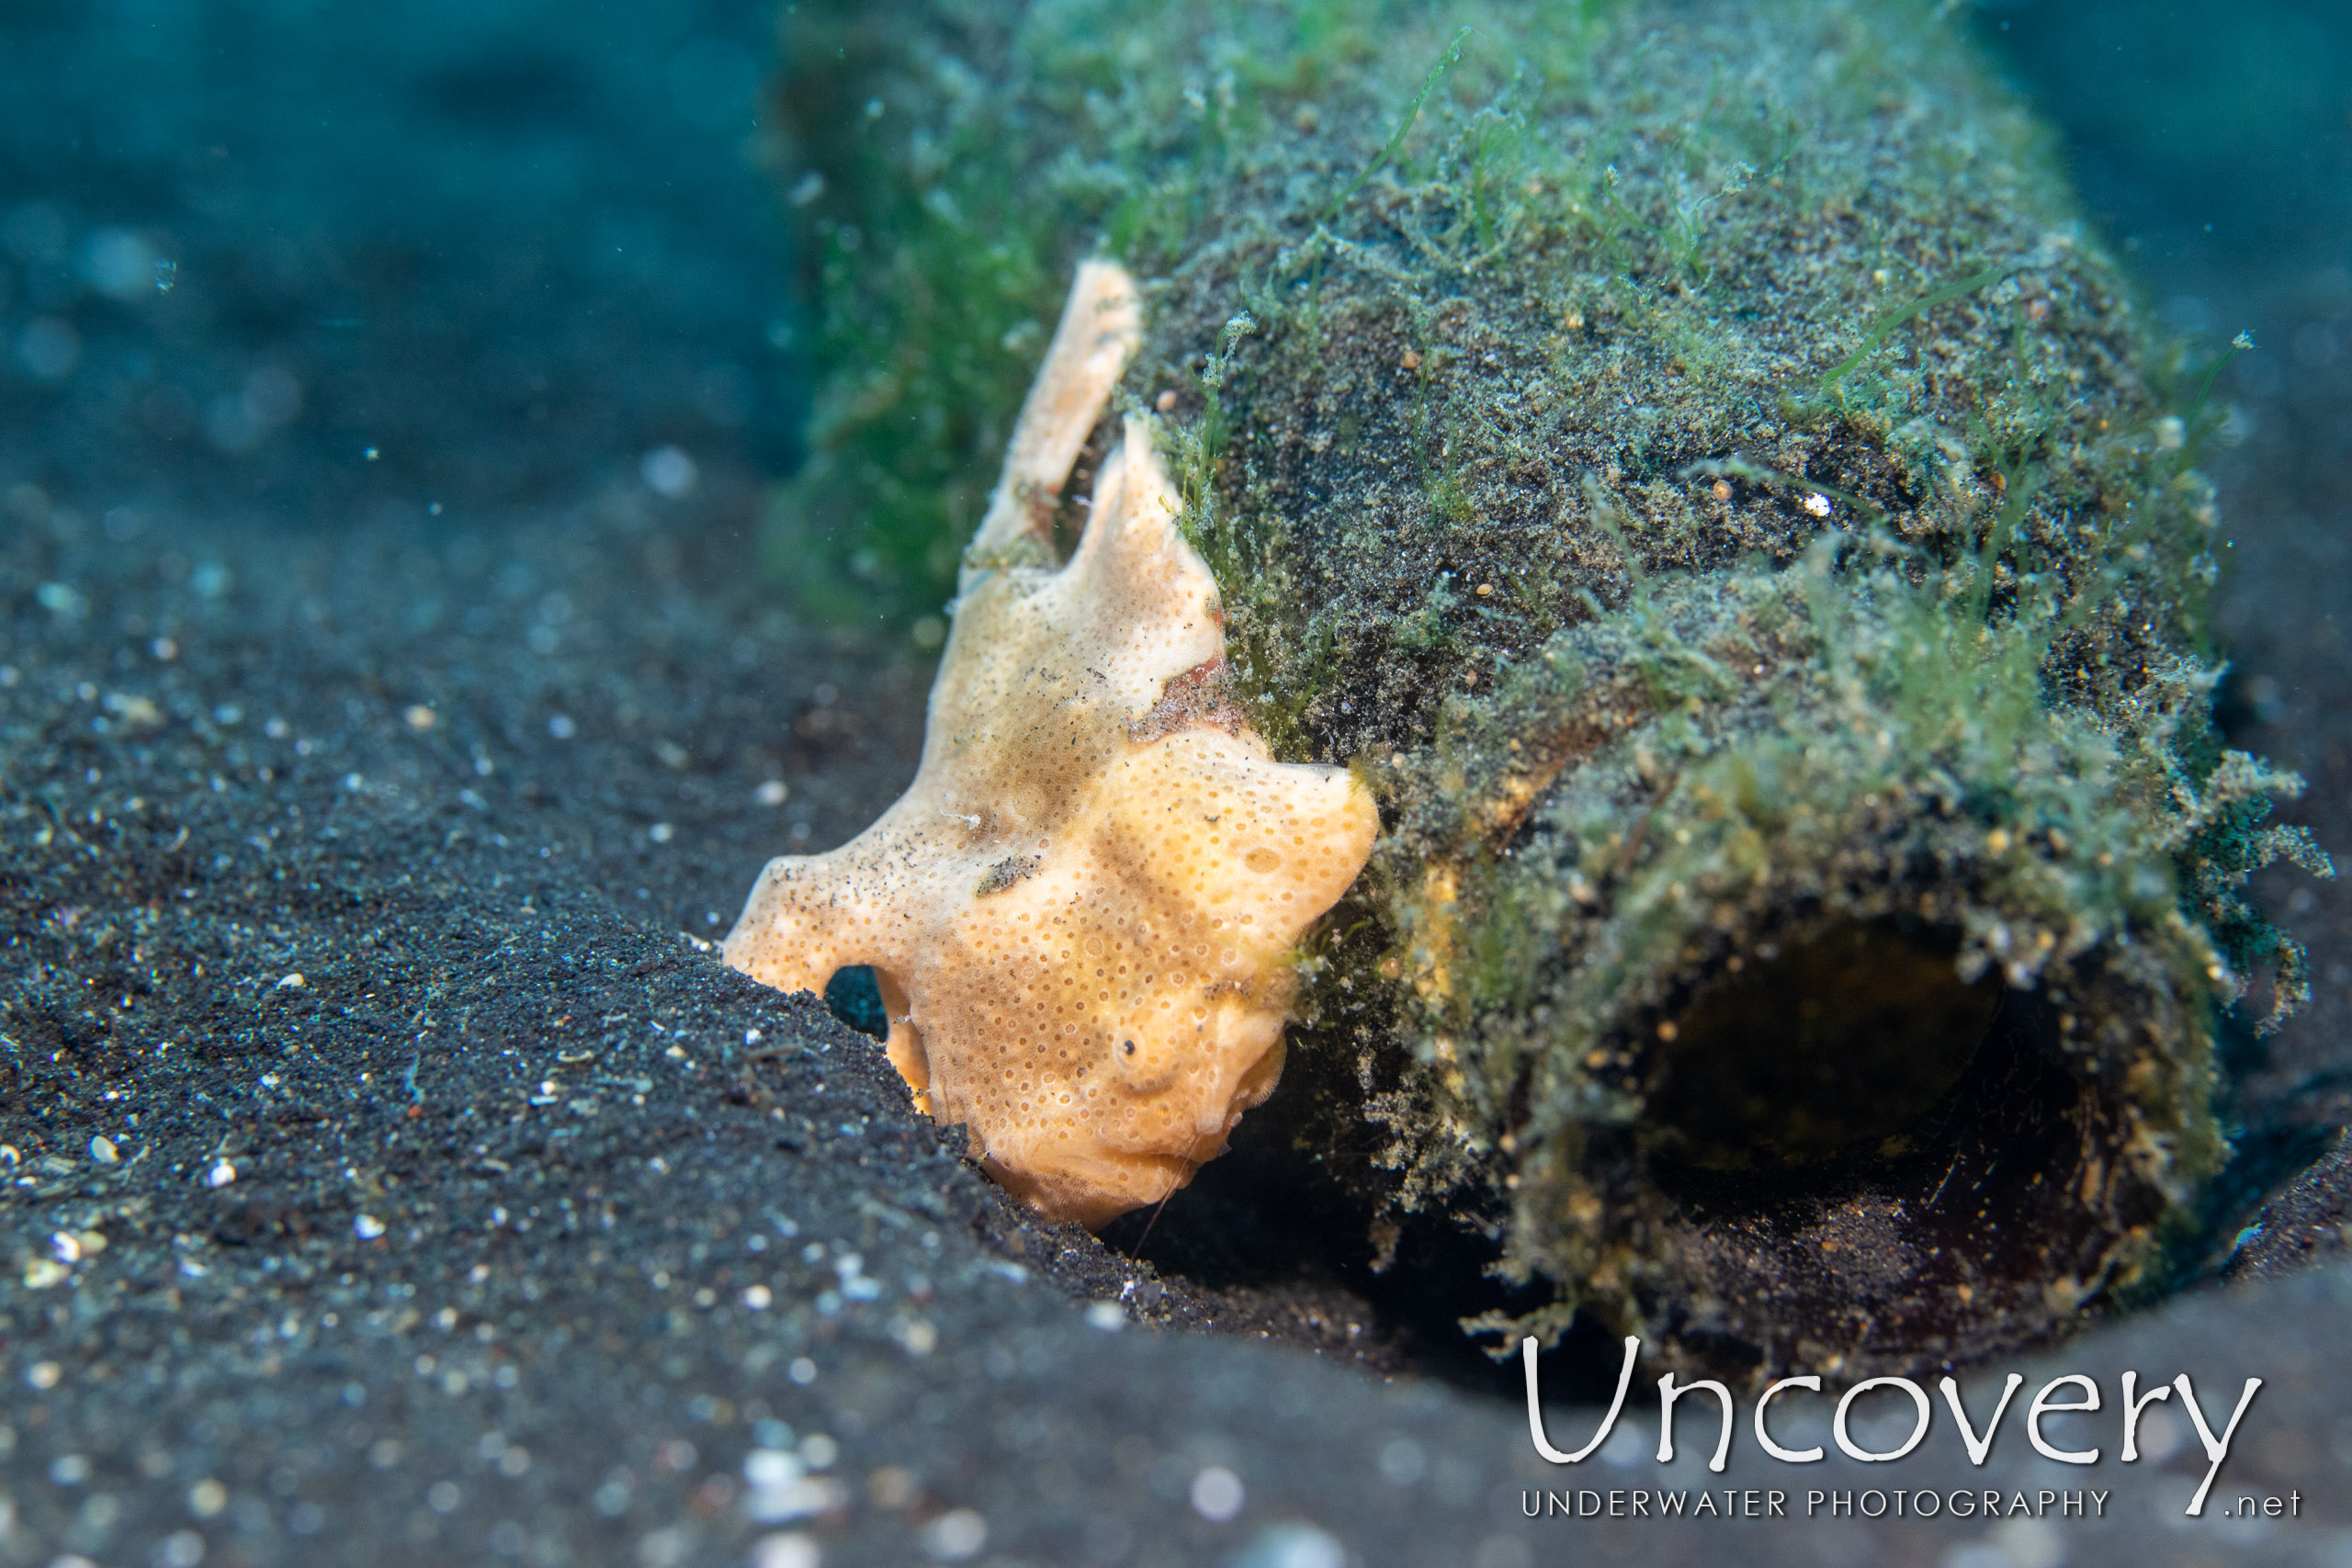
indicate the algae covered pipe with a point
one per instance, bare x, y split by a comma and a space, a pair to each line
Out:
1690, 460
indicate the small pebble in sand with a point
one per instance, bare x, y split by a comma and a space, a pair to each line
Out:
892, 1487
955, 1535
1218, 1494
786, 1548
1292, 1543
668, 472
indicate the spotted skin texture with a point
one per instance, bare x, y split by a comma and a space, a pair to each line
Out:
1081, 918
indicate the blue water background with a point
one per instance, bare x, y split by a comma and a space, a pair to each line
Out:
508, 244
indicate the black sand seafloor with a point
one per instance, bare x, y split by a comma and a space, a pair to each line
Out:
393, 715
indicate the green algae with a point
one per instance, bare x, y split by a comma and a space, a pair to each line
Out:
1690, 460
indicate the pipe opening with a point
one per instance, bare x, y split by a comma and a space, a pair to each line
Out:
1834, 1047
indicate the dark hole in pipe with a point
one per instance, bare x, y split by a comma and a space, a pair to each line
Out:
1835, 1047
